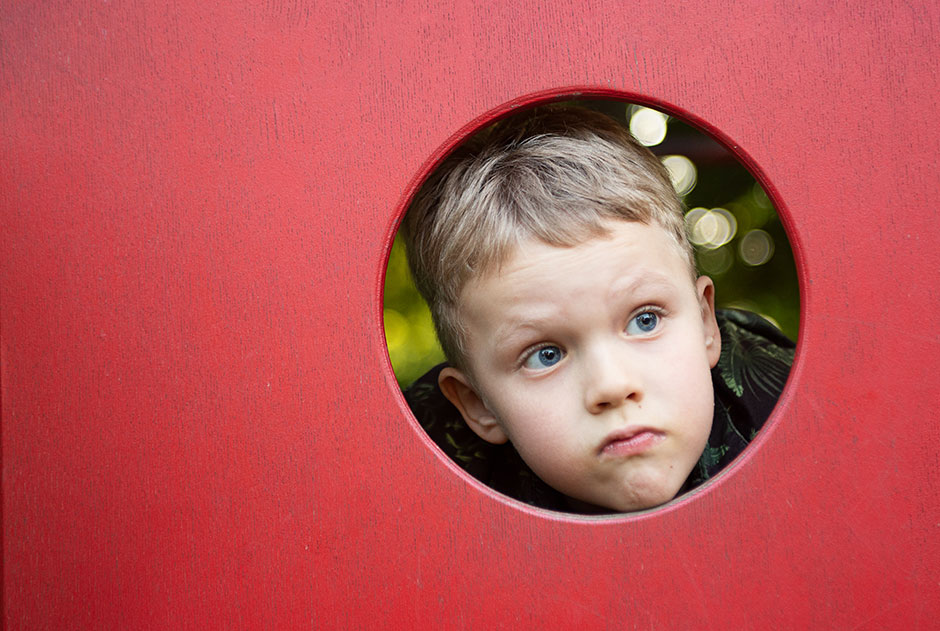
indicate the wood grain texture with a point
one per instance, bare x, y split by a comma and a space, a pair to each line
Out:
200, 427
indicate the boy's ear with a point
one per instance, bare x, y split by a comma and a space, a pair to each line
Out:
458, 390
705, 289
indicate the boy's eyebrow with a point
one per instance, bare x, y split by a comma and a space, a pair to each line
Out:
507, 332
655, 279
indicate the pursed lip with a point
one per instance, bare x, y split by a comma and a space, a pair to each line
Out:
629, 441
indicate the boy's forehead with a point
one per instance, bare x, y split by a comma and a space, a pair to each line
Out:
644, 256
532, 256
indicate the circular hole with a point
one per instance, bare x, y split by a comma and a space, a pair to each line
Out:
739, 242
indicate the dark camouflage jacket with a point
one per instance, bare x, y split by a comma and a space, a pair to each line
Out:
751, 372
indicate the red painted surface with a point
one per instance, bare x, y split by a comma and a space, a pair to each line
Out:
200, 428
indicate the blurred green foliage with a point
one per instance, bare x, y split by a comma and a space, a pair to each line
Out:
768, 288
409, 332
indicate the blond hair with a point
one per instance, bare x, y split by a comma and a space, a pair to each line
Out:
554, 174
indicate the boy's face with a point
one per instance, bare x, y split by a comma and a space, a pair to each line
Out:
594, 362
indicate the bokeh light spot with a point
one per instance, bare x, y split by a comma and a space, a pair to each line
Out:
710, 229
756, 247
715, 261
759, 196
648, 126
683, 173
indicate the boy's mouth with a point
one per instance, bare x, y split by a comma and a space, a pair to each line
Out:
630, 441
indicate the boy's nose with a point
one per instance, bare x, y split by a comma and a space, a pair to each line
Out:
611, 381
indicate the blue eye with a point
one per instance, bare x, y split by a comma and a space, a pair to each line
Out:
545, 357
643, 323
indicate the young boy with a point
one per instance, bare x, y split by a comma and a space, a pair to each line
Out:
588, 369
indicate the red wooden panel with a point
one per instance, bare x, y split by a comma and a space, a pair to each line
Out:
200, 427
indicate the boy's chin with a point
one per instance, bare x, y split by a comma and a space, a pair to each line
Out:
586, 508
620, 505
